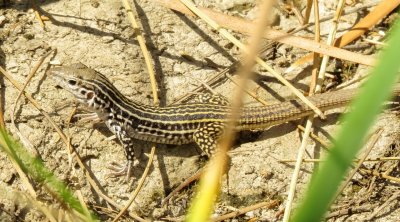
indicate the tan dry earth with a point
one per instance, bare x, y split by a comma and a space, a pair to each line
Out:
184, 50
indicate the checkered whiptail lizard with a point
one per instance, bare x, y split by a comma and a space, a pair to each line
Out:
201, 122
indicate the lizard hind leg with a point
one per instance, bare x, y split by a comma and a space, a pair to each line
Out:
206, 137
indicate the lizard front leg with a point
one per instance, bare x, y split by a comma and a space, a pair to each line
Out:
127, 143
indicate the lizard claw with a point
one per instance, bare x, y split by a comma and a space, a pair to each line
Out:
120, 169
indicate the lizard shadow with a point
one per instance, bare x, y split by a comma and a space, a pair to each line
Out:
205, 36
24, 5
286, 128
153, 52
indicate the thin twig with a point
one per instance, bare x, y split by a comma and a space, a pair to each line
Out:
296, 12
375, 42
382, 175
360, 162
213, 80
265, 103
244, 210
316, 60
37, 14
351, 210
205, 85
308, 12
218, 77
188, 181
315, 137
378, 159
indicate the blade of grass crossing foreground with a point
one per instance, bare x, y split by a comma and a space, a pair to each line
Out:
40, 173
350, 139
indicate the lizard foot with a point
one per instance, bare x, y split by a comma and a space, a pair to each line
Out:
120, 169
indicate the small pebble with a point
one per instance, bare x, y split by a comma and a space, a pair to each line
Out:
107, 39
2, 19
248, 169
250, 214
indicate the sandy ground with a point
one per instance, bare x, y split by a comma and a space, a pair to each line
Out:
97, 33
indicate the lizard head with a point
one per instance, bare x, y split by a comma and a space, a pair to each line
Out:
86, 84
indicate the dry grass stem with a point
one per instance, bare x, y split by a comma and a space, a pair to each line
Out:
244, 210
315, 137
330, 41
374, 42
307, 129
265, 103
205, 85
213, 80
34, 103
216, 78
307, 11
316, 60
39, 18
296, 12
381, 175
375, 16
37, 14
378, 159
184, 184
351, 82
295, 175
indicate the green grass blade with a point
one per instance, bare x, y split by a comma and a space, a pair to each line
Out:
350, 139
37, 170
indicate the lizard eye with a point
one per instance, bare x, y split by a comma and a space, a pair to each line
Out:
72, 82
